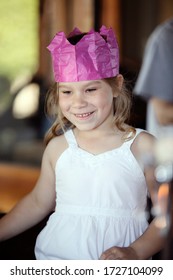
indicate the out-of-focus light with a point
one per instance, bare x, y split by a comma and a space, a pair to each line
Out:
26, 102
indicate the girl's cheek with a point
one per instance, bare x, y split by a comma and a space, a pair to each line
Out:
62, 103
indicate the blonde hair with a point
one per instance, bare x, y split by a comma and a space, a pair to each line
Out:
121, 105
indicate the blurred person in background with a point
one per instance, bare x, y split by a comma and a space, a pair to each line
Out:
155, 80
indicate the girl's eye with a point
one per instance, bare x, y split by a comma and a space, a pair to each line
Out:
91, 89
66, 92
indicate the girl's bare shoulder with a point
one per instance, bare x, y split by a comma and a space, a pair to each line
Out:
143, 144
58, 142
55, 148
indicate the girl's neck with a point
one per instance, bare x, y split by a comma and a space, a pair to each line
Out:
99, 141
100, 132
95, 133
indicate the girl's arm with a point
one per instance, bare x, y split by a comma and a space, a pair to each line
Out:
150, 243
34, 206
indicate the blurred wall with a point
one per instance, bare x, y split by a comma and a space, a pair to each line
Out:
138, 20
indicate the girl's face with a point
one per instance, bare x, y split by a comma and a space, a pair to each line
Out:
87, 104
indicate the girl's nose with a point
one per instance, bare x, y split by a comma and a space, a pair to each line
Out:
79, 100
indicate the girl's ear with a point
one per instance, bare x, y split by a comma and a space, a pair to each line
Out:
119, 84
120, 81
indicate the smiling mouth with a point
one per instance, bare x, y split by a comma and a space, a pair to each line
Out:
85, 115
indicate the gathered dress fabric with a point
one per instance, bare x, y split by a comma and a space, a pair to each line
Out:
100, 203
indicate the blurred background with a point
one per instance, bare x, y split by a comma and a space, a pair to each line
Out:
26, 28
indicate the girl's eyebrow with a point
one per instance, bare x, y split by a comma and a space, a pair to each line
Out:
85, 85
93, 82
63, 86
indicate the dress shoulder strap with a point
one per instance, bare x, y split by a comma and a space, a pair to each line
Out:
138, 131
70, 138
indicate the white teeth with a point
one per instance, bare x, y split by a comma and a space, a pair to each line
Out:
83, 115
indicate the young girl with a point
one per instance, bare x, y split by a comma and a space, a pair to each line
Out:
91, 176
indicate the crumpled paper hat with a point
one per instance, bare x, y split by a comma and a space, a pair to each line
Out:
93, 58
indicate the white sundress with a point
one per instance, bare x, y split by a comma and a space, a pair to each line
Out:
100, 203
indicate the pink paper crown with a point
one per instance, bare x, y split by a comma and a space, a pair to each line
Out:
93, 58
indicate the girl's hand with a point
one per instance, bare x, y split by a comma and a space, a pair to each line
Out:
119, 253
